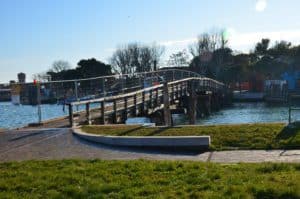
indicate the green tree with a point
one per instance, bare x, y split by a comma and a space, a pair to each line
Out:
261, 48
93, 68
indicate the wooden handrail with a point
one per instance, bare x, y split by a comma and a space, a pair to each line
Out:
131, 94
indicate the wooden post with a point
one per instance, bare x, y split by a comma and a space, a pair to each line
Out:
177, 91
290, 109
150, 100
192, 103
88, 114
115, 119
172, 94
125, 109
103, 112
180, 90
135, 105
290, 117
143, 104
186, 88
156, 97
167, 112
71, 118
208, 104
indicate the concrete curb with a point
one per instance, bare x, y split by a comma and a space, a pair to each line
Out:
190, 142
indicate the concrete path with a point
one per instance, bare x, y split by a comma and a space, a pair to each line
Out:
60, 143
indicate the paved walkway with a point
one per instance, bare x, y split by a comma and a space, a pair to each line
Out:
61, 144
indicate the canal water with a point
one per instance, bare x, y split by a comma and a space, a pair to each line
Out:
13, 116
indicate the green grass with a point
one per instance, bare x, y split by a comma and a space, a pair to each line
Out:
150, 179
223, 137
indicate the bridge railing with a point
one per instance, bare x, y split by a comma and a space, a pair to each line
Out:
143, 97
92, 88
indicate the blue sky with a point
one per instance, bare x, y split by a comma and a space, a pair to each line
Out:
34, 33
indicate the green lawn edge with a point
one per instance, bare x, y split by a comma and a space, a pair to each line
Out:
147, 179
223, 137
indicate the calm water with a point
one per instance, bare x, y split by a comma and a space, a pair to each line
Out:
12, 116
244, 113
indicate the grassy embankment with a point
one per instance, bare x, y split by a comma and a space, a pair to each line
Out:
153, 179
223, 137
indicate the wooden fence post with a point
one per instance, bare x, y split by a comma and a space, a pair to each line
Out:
150, 100
125, 109
88, 114
71, 117
192, 103
143, 103
135, 105
115, 119
103, 112
167, 112
156, 97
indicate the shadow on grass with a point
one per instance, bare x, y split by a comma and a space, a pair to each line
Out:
130, 131
287, 133
288, 137
158, 131
271, 193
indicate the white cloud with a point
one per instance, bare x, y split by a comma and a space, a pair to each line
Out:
260, 5
241, 41
246, 41
178, 42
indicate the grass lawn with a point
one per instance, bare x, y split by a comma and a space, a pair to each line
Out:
223, 137
151, 179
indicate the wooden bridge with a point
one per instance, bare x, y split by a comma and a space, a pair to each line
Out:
191, 94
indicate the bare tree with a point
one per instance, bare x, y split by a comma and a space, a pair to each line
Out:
59, 66
203, 52
208, 42
135, 57
179, 59
41, 77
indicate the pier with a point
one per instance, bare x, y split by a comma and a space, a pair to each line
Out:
188, 92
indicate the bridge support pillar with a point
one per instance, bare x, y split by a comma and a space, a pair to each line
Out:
125, 109
102, 112
208, 104
88, 114
71, 116
167, 112
204, 105
192, 111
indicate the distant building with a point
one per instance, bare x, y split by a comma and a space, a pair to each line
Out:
21, 77
293, 80
276, 90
